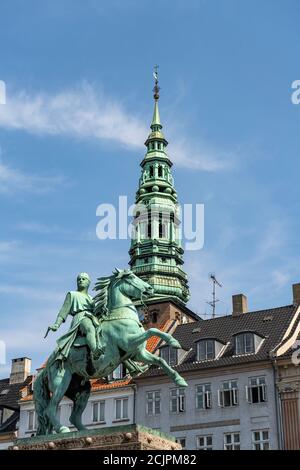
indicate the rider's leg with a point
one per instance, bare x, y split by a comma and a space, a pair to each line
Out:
89, 331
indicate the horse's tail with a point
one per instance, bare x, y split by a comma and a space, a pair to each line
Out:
41, 395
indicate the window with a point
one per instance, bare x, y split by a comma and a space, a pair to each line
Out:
256, 391
232, 441
153, 403
162, 226
260, 440
206, 350
177, 402
203, 396
228, 395
1, 416
204, 443
181, 441
121, 408
244, 343
118, 373
170, 355
31, 420
160, 171
151, 172
98, 411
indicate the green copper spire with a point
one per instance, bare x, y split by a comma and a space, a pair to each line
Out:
156, 254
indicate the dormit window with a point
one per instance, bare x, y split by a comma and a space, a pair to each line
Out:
246, 343
208, 349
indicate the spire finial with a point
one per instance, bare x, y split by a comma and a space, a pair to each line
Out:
156, 87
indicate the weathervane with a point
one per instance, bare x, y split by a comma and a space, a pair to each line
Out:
156, 87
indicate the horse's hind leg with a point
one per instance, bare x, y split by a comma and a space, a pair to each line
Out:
60, 379
79, 394
151, 359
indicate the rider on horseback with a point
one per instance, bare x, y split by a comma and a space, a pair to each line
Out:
80, 305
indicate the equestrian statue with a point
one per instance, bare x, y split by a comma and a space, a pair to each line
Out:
105, 331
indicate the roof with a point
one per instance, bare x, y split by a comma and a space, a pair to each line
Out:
10, 394
270, 324
10, 424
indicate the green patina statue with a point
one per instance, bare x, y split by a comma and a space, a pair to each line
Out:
105, 332
80, 306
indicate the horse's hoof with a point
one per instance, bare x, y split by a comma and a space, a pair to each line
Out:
181, 382
64, 429
175, 344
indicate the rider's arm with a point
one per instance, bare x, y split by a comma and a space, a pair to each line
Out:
64, 311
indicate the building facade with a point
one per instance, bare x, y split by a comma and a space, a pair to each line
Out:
233, 400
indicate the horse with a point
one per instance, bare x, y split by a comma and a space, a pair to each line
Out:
124, 339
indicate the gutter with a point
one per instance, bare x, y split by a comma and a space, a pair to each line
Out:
278, 408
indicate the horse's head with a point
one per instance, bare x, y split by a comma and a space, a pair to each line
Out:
131, 285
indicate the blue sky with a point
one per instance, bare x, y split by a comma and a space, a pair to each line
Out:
79, 104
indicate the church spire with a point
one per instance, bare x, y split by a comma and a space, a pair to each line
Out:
156, 254
156, 118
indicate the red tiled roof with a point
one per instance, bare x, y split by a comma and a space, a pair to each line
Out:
154, 340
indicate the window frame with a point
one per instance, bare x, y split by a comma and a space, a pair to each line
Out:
233, 394
98, 403
233, 443
168, 351
180, 400
261, 442
206, 394
241, 349
153, 402
262, 390
205, 342
182, 438
205, 446
31, 413
122, 400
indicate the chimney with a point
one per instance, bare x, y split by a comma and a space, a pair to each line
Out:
239, 304
20, 369
296, 294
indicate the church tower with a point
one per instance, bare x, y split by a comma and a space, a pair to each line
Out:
156, 254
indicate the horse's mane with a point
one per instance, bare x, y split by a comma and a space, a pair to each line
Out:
101, 299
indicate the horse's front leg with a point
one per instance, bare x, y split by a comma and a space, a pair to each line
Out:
136, 340
59, 381
151, 359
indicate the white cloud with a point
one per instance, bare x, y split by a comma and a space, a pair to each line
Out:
79, 113
197, 156
84, 113
12, 180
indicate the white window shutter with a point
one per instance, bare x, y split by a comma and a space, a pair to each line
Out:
264, 392
181, 403
220, 398
235, 396
248, 394
208, 399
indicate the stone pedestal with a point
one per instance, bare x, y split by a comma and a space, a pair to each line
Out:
129, 437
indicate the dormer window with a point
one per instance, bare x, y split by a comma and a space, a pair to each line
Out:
244, 343
209, 349
170, 355
206, 350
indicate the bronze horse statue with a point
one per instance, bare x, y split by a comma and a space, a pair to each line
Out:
124, 340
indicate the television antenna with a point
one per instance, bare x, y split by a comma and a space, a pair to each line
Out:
214, 300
